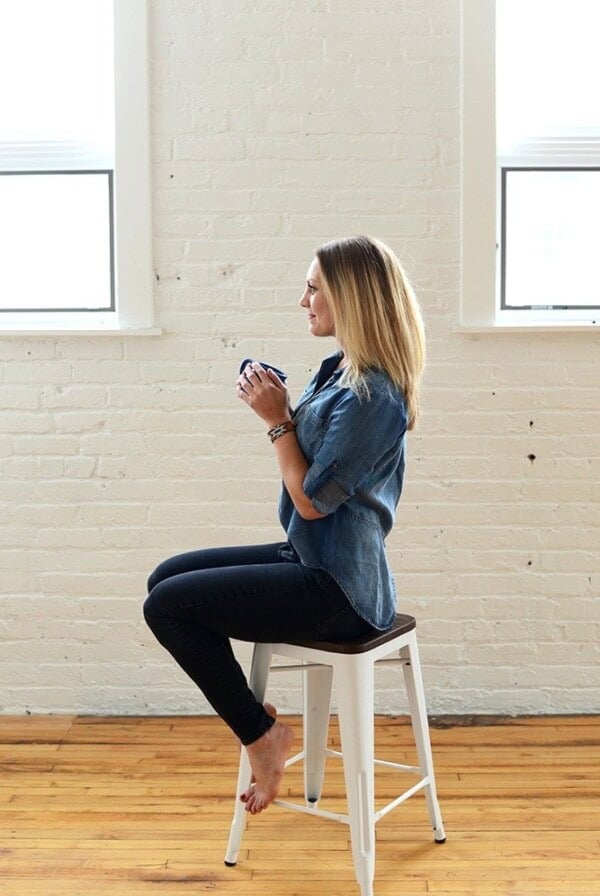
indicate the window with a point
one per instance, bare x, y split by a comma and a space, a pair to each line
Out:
549, 219
531, 141
74, 167
64, 219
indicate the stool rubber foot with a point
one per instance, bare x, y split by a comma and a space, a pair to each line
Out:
230, 864
443, 840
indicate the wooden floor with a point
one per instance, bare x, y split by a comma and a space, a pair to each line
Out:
92, 806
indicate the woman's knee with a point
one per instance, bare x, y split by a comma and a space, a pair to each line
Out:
163, 571
149, 609
174, 566
156, 604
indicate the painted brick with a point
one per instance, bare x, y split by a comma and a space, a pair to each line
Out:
277, 127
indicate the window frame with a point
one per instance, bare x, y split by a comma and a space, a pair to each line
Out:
132, 221
481, 193
504, 168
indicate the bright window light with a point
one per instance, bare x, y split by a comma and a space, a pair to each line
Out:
552, 229
57, 58
55, 233
547, 69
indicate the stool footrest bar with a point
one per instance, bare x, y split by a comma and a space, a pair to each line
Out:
308, 810
293, 759
337, 816
393, 661
302, 667
413, 769
404, 796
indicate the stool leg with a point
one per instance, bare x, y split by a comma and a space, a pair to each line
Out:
317, 702
354, 682
259, 673
416, 698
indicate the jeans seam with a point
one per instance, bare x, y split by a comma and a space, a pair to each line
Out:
326, 623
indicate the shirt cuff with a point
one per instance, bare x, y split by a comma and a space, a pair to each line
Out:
325, 493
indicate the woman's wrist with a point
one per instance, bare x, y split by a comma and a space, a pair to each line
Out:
276, 419
280, 429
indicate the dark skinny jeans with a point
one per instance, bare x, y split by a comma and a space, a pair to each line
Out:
199, 600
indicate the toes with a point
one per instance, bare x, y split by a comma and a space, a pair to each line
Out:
247, 794
254, 800
254, 804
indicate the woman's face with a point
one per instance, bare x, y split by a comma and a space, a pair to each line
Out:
320, 318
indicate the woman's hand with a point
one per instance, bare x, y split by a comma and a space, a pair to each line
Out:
264, 393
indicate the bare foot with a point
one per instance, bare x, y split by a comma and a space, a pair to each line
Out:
267, 757
270, 711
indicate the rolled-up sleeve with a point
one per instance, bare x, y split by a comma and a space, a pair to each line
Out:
360, 434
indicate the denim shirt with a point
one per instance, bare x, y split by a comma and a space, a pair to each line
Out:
355, 448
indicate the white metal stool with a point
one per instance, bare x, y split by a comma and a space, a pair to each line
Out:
353, 664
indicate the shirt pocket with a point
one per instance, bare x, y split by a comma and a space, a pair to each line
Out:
310, 431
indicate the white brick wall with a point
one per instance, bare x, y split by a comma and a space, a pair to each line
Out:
278, 125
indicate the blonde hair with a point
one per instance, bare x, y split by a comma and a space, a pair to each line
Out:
377, 318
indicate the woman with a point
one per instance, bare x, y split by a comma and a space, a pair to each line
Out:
341, 457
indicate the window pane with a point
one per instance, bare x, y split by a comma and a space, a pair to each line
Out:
551, 238
57, 58
547, 70
55, 239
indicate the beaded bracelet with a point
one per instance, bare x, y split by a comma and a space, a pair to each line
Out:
280, 430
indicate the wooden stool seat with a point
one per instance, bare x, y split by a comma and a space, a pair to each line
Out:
399, 626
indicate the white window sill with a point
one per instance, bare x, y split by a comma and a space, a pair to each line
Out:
65, 323
571, 326
527, 321
79, 331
